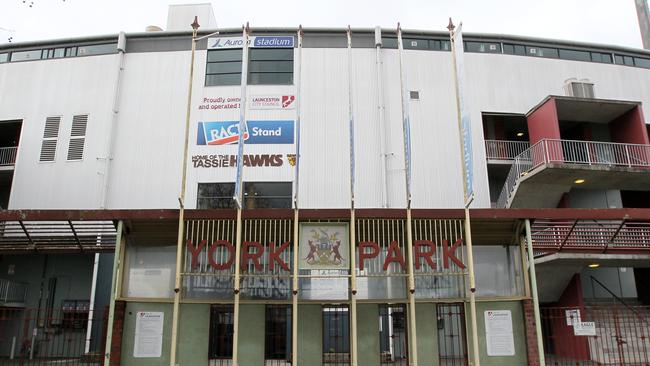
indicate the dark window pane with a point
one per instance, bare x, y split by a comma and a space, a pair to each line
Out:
482, 47
97, 49
271, 54
628, 60
270, 78
415, 44
70, 51
4, 57
271, 66
277, 332
542, 52
520, 50
575, 55
221, 332
59, 52
389, 42
225, 55
256, 195
224, 68
606, 57
618, 59
508, 49
642, 62
445, 45
223, 79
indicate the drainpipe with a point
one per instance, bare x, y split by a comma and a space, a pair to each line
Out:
108, 158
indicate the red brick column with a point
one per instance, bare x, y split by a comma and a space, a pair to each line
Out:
531, 333
118, 325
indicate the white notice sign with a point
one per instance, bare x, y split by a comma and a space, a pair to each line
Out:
572, 316
498, 333
584, 329
148, 334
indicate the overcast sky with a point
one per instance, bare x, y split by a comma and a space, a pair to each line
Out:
599, 21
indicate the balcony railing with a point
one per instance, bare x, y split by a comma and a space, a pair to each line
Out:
504, 150
8, 155
573, 152
12, 292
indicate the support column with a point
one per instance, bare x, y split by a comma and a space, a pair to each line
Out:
533, 288
413, 337
294, 293
116, 289
472, 288
235, 323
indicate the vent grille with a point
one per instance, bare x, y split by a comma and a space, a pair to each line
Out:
77, 137
579, 89
414, 95
50, 137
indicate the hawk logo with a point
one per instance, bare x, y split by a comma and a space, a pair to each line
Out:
287, 100
292, 159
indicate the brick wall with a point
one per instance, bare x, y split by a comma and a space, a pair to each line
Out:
118, 325
531, 335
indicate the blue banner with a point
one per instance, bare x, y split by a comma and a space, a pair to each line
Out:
255, 132
465, 120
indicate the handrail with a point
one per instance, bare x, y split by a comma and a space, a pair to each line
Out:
616, 297
504, 149
12, 292
547, 151
8, 155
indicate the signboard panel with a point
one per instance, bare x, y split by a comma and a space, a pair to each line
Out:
256, 132
584, 328
255, 42
148, 334
498, 333
324, 246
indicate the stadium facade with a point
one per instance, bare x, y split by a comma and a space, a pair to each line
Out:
351, 244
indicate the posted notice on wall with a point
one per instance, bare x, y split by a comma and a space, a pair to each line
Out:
148, 334
498, 333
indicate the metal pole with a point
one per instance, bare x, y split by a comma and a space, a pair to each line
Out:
353, 273
239, 194
468, 202
296, 223
406, 131
117, 264
381, 120
181, 210
533, 285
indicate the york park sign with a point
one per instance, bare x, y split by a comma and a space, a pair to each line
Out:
324, 247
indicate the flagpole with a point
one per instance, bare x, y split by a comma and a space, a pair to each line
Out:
406, 130
296, 186
238, 197
467, 191
353, 273
181, 202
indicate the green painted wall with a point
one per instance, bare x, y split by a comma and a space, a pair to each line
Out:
128, 335
519, 333
310, 329
368, 334
251, 334
427, 332
193, 334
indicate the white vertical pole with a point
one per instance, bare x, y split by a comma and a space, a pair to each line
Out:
239, 192
296, 236
406, 130
533, 289
381, 120
353, 273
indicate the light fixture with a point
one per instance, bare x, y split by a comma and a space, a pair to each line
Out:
520, 134
579, 181
594, 265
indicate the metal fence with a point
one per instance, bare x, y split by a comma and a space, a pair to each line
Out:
12, 292
62, 336
8, 155
504, 150
572, 152
596, 335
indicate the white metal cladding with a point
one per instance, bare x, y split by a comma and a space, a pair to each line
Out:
35, 90
146, 165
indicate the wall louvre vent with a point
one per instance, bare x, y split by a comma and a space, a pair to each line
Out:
77, 137
579, 88
50, 138
414, 95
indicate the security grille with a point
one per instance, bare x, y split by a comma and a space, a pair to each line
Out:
336, 335
50, 137
451, 335
77, 137
393, 338
221, 333
277, 351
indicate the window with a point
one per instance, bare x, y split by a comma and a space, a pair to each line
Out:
53, 53
277, 333
223, 67
441, 45
75, 314
642, 62
221, 332
256, 195
4, 57
388, 42
97, 49
514, 49
50, 137
149, 271
70, 51
272, 66
542, 52
482, 47
624, 60
575, 55
77, 137
415, 44
601, 57
26, 55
